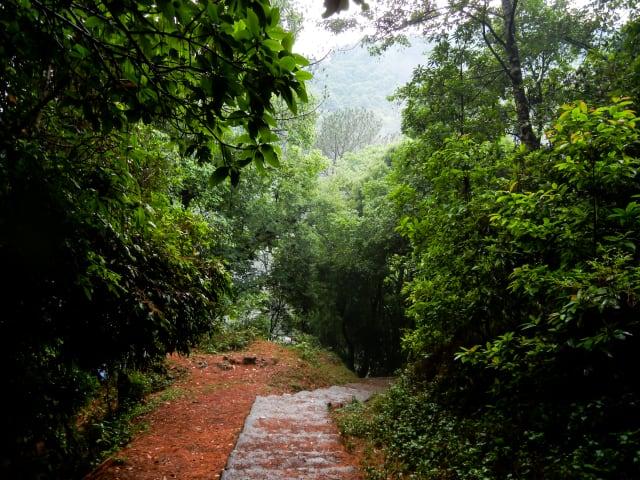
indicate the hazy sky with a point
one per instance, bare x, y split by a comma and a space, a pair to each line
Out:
315, 41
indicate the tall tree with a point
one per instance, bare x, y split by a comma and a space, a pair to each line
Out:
458, 92
512, 65
531, 41
346, 130
203, 68
108, 271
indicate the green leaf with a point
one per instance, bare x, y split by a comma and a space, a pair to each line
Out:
212, 12
92, 22
244, 162
80, 51
300, 60
302, 92
270, 156
269, 120
288, 63
303, 75
275, 17
276, 33
288, 98
219, 175
258, 161
240, 31
258, 158
253, 23
287, 42
273, 45
245, 138
267, 136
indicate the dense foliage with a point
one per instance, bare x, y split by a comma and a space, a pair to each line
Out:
523, 284
494, 252
106, 270
530, 284
359, 309
317, 243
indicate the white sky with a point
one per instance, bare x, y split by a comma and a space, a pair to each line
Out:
315, 42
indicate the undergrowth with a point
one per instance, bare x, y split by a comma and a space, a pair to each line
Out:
356, 423
420, 432
317, 367
230, 337
109, 427
113, 416
403, 433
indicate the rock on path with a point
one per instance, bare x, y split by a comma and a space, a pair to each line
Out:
290, 437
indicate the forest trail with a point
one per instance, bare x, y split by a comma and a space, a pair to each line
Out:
199, 419
293, 436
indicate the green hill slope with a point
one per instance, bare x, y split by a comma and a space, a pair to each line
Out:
354, 78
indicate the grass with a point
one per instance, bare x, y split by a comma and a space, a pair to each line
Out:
169, 394
356, 423
228, 339
114, 433
111, 419
316, 368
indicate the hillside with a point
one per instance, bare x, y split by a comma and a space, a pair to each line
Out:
354, 78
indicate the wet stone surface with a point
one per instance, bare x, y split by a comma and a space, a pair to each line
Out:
293, 437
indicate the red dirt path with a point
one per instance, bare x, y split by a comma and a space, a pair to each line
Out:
190, 438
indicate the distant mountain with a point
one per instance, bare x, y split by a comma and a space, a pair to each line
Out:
354, 78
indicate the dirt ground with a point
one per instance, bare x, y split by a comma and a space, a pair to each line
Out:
191, 434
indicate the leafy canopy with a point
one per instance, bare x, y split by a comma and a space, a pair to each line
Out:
205, 69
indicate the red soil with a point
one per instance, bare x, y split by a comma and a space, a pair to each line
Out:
191, 436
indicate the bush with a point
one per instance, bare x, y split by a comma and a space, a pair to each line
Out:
230, 337
526, 300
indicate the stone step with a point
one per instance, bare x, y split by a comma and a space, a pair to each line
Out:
292, 436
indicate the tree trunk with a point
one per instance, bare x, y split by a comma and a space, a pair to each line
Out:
350, 353
527, 135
